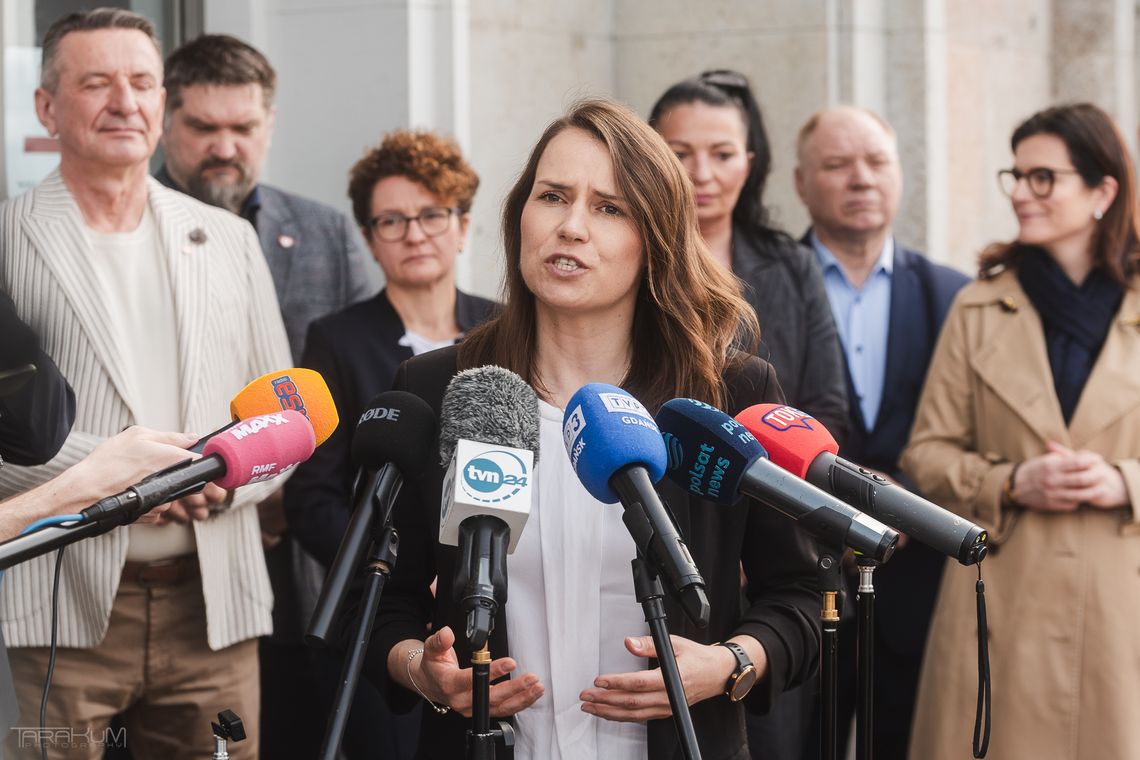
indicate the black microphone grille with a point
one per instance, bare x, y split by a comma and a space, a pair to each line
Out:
489, 404
396, 427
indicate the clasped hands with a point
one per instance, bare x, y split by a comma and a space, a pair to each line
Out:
637, 696
1061, 479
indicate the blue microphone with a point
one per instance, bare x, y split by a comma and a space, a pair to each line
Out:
715, 457
617, 452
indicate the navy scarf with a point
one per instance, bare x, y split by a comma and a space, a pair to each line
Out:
1076, 319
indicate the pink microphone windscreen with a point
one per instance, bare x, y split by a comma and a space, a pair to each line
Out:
262, 447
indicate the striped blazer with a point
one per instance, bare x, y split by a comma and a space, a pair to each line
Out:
229, 332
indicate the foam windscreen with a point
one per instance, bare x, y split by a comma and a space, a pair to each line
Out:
708, 450
297, 389
262, 447
490, 405
396, 427
793, 438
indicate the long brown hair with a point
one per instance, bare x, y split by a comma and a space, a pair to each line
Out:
690, 315
1097, 151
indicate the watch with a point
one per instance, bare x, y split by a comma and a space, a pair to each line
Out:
743, 678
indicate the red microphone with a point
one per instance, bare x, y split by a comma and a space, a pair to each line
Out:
800, 444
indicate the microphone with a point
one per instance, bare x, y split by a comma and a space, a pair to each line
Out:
296, 388
800, 444
393, 438
617, 452
257, 449
715, 457
488, 438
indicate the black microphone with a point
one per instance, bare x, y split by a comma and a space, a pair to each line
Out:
393, 439
715, 457
800, 444
488, 437
617, 452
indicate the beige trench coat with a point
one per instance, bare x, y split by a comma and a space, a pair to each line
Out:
1063, 590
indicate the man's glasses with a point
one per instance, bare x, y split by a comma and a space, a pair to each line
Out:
393, 227
1040, 180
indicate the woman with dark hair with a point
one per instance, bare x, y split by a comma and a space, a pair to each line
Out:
1029, 425
714, 126
411, 196
607, 280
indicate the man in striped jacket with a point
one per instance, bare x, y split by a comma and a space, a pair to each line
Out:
157, 309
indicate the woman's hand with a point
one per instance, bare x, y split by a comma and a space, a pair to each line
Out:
439, 677
1062, 479
641, 696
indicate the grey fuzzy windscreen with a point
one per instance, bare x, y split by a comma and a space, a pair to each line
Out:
488, 404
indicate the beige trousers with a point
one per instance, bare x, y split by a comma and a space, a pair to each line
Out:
155, 664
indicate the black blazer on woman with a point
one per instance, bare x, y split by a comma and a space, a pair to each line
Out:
780, 563
798, 336
357, 351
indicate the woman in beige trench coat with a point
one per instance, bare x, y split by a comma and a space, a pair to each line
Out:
1029, 424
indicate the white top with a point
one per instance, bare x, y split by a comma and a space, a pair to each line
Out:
570, 591
134, 280
421, 345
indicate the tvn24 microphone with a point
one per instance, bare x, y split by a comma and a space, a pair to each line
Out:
257, 449
715, 457
800, 444
393, 439
488, 437
617, 452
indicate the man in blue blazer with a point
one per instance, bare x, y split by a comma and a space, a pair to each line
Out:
889, 303
219, 122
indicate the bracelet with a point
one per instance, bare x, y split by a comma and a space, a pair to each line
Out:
440, 709
1007, 491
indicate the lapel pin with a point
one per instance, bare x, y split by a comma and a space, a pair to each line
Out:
1008, 305
197, 236
286, 241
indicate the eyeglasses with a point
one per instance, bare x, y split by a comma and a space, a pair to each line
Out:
1039, 178
393, 227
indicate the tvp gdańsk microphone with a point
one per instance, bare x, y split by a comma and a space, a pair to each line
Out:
715, 457
393, 439
800, 444
617, 452
488, 438
257, 449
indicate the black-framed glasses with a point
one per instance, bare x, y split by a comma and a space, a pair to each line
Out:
393, 227
1040, 180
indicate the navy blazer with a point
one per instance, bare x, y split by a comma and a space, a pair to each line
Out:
357, 351
921, 293
780, 611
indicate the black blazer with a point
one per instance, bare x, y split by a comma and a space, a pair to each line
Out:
357, 351
798, 336
781, 610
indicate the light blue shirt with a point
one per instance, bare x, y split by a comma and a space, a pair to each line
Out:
862, 316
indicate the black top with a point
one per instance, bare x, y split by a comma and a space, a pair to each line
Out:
357, 351
780, 611
783, 284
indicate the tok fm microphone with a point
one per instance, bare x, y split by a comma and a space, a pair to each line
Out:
617, 452
800, 444
393, 439
488, 438
713, 456
257, 449
296, 389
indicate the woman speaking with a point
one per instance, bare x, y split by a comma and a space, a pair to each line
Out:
607, 280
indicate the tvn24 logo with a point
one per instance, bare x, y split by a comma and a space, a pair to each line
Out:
494, 476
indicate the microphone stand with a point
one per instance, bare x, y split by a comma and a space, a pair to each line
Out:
830, 575
382, 555
647, 587
865, 660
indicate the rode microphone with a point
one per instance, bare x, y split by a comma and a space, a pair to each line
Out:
488, 438
296, 389
257, 449
617, 452
393, 439
800, 444
715, 457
